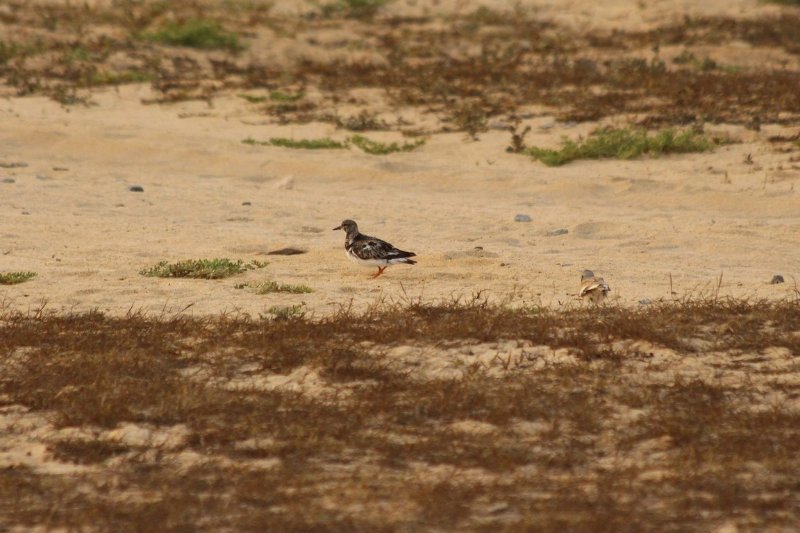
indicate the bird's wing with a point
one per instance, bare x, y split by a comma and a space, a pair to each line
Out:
594, 283
373, 248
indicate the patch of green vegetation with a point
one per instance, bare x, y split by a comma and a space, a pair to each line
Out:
8, 50
12, 278
706, 64
11, 49
307, 144
368, 145
378, 148
196, 33
253, 99
362, 122
624, 144
78, 53
285, 312
280, 96
267, 287
201, 268
364, 9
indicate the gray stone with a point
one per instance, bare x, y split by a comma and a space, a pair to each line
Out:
136, 188
645, 301
777, 278
8, 180
522, 218
557, 232
247, 203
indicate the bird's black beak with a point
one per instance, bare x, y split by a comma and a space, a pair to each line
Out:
337, 227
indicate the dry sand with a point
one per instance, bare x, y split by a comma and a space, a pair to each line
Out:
634, 222
70, 217
720, 223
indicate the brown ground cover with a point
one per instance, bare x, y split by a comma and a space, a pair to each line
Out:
469, 392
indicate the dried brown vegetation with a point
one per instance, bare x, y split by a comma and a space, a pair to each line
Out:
482, 64
677, 416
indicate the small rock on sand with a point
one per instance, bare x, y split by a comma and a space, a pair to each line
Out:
777, 278
136, 188
557, 232
522, 218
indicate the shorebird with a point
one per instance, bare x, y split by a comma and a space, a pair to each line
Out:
593, 287
369, 251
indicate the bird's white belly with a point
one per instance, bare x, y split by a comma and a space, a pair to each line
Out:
366, 262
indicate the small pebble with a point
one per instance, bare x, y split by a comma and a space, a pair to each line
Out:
522, 218
8, 180
43, 177
557, 232
777, 278
136, 188
60, 169
645, 301
247, 203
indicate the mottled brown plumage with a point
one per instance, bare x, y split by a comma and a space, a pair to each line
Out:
371, 251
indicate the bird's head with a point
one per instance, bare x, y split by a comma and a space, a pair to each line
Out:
349, 226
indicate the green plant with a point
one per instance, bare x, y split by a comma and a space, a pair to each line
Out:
306, 144
267, 287
624, 144
196, 33
378, 148
353, 8
253, 99
284, 312
201, 268
12, 278
279, 96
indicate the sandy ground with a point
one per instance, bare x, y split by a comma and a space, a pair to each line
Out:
634, 222
721, 223
70, 217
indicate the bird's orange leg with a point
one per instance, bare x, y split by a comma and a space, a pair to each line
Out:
379, 272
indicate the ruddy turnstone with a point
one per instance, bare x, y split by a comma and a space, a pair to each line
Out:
369, 251
593, 287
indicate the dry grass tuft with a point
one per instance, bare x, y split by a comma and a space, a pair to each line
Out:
13, 278
326, 428
201, 268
